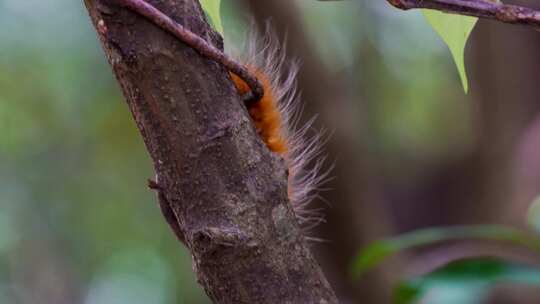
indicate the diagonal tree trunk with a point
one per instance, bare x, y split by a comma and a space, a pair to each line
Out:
221, 190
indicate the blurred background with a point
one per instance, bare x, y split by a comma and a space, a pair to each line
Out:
78, 225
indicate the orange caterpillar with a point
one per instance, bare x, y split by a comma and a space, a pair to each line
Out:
275, 117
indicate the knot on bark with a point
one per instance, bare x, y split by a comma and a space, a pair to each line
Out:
217, 241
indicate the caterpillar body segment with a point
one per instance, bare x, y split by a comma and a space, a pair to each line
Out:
276, 117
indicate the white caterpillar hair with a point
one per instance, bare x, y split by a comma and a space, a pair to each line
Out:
304, 156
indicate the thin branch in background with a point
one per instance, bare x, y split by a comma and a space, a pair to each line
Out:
488, 9
148, 11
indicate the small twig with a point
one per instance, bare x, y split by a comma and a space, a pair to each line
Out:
200, 45
488, 9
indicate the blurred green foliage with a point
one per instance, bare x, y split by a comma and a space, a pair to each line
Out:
378, 251
74, 170
463, 282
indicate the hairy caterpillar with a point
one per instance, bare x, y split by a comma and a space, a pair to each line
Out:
272, 103
276, 117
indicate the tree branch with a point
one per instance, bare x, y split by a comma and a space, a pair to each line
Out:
221, 190
488, 9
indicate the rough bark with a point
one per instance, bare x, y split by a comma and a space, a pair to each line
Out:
226, 191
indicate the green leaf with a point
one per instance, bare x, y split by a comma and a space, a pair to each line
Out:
375, 253
212, 10
455, 31
463, 281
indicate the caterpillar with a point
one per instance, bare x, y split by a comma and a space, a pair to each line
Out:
272, 103
276, 117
